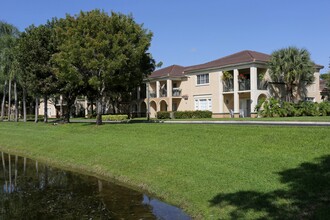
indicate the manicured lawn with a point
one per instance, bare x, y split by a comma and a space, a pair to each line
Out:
303, 118
212, 171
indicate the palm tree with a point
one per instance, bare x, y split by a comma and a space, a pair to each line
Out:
8, 37
292, 67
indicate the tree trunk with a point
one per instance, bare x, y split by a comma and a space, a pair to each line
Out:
289, 93
61, 106
24, 104
99, 111
92, 107
68, 112
9, 100
3, 101
36, 110
45, 109
16, 103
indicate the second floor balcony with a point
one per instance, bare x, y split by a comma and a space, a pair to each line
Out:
228, 86
244, 84
176, 92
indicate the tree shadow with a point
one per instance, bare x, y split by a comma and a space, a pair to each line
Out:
307, 195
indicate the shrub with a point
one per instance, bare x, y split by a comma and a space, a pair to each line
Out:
288, 110
274, 108
202, 114
192, 114
324, 108
163, 115
114, 117
183, 114
271, 108
308, 109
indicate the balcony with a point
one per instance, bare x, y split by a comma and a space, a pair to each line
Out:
176, 92
228, 86
163, 92
244, 84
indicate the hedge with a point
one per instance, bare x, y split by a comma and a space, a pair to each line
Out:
114, 117
275, 108
163, 115
184, 114
192, 114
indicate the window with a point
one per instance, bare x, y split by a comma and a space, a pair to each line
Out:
203, 104
203, 79
309, 99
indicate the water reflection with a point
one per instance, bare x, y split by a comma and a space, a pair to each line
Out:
31, 190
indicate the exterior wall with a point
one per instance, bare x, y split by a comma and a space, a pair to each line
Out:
314, 89
191, 90
51, 109
241, 102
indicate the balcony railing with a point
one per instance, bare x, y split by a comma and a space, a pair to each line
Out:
228, 86
163, 93
244, 84
153, 95
176, 92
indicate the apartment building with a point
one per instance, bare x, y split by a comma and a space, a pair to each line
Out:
229, 86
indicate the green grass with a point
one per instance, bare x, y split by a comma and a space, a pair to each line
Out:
303, 118
212, 171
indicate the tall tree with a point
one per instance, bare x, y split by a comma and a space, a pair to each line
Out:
105, 50
8, 39
292, 67
35, 49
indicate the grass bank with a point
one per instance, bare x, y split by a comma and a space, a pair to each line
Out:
212, 171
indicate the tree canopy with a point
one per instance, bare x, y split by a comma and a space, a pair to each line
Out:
293, 67
105, 52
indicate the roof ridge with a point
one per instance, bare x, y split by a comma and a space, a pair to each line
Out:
252, 57
172, 67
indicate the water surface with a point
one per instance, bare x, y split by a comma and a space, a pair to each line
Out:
31, 190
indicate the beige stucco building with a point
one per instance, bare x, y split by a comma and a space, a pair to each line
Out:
229, 86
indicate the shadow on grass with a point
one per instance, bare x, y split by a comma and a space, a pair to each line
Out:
307, 196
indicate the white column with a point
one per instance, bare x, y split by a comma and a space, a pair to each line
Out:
254, 87
221, 101
169, 94
86, 106
236, 95
157, 88
147, 89
138, 92
169, 87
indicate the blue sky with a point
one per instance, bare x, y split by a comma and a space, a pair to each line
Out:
189, 32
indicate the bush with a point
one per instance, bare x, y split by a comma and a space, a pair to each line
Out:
308, 109
163, 115
288, 110
274, 108
202, 114
114, 117
271, 108
91, 116
192, 114
324, 108
183, 114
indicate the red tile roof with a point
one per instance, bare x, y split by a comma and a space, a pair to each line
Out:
246, 56
172, 71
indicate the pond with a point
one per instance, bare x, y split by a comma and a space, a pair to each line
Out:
31, 190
